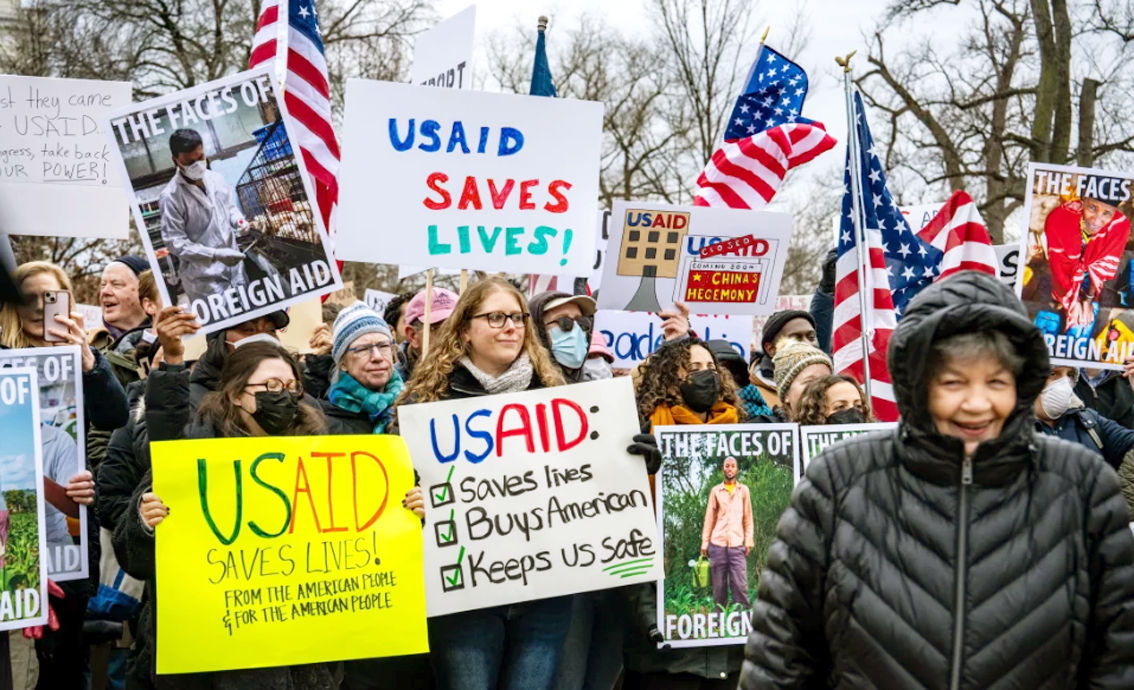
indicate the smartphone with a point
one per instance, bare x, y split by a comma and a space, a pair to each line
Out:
55, 302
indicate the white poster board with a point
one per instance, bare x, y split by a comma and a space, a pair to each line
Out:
634, 335
443, 56
466, 179
57, 177
377, 300
660, 254
815, 439
531, 495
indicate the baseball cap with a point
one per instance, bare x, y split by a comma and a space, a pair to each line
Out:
444, 302
585, 304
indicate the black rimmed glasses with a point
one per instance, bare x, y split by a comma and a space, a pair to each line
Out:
496, 319
275, 386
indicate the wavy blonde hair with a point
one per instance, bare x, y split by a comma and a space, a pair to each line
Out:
430, 380
11, 329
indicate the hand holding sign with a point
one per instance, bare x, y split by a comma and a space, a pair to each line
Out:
152, 510
675, 322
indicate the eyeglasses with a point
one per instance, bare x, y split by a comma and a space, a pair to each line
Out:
275, 386
384, 349
567, 323
496, 319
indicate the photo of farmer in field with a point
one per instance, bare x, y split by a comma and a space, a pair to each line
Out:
721, 494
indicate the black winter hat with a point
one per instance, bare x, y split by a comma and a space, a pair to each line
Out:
777, 321
134, 262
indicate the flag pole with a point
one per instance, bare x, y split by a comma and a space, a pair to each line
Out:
858, 220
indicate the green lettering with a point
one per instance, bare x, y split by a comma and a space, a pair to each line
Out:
203, 490
283, 497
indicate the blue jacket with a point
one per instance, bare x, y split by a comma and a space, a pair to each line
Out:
823, 311
1091, 430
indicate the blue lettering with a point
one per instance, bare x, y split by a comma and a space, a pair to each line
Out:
399, 143
456, 440
511, 141
481, 434
429, 129
483, 140
457, 138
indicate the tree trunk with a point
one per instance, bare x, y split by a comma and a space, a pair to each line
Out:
1086, 146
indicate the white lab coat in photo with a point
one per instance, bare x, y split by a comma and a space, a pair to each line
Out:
194, 222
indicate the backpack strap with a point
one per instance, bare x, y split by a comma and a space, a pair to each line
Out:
1090, 421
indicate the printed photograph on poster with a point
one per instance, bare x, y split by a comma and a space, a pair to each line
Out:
228, 217
23, 572
720, 495
632, 336
717, 261
63, 442
813, 440
1076, 275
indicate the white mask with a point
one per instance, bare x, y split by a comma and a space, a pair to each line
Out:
1056, 398
596, 369
196, 171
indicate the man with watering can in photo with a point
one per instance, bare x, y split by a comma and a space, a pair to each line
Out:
726, 538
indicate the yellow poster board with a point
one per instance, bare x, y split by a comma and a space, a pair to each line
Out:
281, 551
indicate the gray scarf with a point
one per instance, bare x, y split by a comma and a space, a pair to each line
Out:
516, 379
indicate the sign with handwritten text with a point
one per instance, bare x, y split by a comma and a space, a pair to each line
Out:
815, 439
531, 495
443, 56
286, 550
56, 174
634, 335
468, 179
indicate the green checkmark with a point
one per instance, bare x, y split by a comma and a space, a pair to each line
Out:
449, 535
441, 497
456, 577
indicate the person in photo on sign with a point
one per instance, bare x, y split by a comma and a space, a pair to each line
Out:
63, 652
442, 306
488, 347
834, 399
797, 364
727, 538
790, 324
1060, 413
961, 550
200, 222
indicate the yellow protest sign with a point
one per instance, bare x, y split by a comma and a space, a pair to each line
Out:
286, 550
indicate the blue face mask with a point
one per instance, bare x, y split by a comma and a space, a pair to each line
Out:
569, 348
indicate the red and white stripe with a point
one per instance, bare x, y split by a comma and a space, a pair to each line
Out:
302, 69
959, 232
747, 173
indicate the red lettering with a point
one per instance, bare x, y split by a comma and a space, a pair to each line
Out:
761, 247
659, 221
354, 477
679, 222
541, 420
524, 430
301, 472
433, 182
526, 203
553, 190
471, 194
561, 442
499, 197
330, 488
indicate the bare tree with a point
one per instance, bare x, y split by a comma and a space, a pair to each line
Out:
82, 258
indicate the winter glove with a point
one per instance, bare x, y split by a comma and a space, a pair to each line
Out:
827, 282
35, 632
228, 257
647, 446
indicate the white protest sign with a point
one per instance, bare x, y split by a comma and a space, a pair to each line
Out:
594, 280
407, 271
660, 254
443, 56
815, 439
57, 177
92, 316
531, 495
377, 300
466, 179
783, 303
634, 335
1009, 257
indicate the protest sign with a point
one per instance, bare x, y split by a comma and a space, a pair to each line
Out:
541, 283
443, 56
286, 550
813, 440
1075, 277
715, 541
531, 495
634, 335
239, 236
661, 254
56, 174
1008, 256
59, 373
920, 215
303, 319
92, 316
23, 579
467, 179
783, 303
377, 300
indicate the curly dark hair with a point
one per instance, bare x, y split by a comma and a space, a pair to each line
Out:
660, 381
813, 402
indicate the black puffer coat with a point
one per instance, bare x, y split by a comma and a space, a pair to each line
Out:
889, 571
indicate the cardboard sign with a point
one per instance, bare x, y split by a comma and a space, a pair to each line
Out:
286, 550
377, 300
23, 580
531, 495
244, 240
57, 177
443, 56
59, 372
634, 335
714, 537
467, 179
1080, 295
815, 439
304, 318
656, 259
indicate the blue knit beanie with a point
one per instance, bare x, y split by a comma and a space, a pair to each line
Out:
355, 321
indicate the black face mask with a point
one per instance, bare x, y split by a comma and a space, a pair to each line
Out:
851, 415
275, 411
700, 390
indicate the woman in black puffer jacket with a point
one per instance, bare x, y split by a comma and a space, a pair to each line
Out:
961, 550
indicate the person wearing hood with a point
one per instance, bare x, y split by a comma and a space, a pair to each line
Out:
787, 325
962, 549
1060, 413
749, 393
834, 400
564, 324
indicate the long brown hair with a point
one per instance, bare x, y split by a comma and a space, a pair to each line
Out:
661, 384
11, 329
813, 402
430, 380
217, 408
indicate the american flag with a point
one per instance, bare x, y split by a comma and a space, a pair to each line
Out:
766, 136
900, 264
298, 45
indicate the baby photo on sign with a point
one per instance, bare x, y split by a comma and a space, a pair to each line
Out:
1076, 280
222, 196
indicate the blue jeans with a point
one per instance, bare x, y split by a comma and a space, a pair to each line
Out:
592, 653
514, 647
